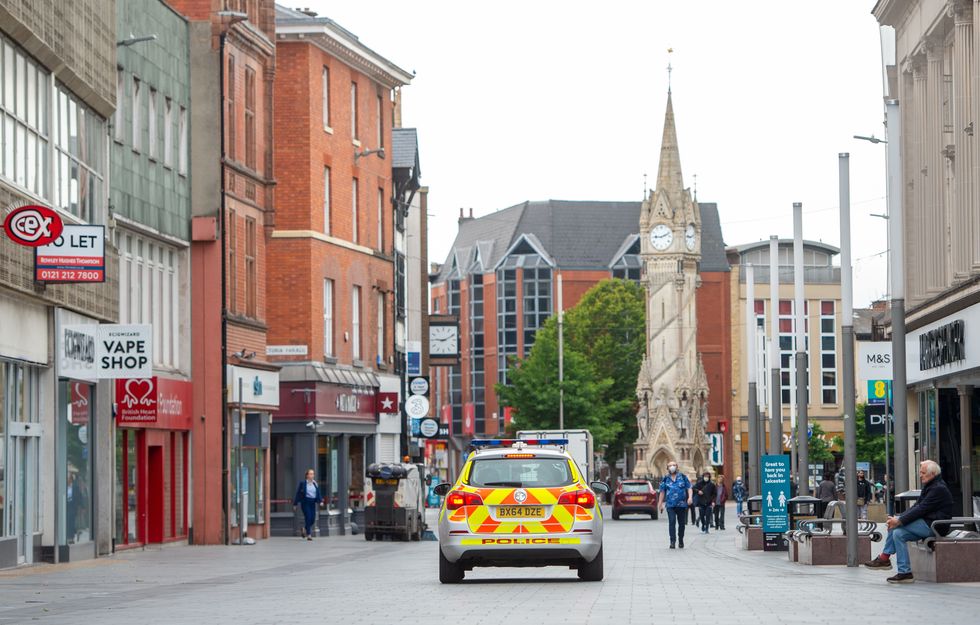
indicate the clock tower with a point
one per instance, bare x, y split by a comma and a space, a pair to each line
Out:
672, 387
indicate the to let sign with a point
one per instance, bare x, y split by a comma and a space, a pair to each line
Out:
78, 255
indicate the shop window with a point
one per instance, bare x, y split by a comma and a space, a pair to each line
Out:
251, 478
75, 434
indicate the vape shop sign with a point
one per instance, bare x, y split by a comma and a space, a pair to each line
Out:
106, 351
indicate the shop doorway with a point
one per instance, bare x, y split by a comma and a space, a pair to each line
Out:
155, 494
22, 491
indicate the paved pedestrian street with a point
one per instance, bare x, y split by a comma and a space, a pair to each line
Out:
347, 580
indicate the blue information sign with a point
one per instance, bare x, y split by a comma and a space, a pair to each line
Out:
775, 493
414, 364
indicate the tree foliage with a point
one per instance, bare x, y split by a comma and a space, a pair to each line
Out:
603, 348
870, 447
819, 449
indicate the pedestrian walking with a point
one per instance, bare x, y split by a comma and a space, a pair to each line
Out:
739, 493
826, 491
675, 497
308, 497
864, 495
705, 491
721, 498
695, 505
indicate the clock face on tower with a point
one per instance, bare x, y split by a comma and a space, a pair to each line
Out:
443, 340
690, 237
661, 237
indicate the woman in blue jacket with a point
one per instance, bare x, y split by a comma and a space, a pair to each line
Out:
308, 496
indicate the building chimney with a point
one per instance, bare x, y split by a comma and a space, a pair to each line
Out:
471, 213
463, 217
396, 109
307, 11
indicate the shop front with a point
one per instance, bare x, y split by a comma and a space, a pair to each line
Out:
153, 422
23, 360
253, 396
943, 372
332, 428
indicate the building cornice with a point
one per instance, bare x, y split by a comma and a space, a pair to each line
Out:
326, 238
890, 12
354, 54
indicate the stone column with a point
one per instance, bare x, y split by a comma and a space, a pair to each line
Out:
964, 135
917, 165
933, 207
966, 446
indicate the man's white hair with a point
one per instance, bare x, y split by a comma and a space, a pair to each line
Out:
932, 468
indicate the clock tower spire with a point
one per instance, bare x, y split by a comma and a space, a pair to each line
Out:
671, 387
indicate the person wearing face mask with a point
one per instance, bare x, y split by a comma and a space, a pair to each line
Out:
706, 491
721, 498
675, 497
739, 493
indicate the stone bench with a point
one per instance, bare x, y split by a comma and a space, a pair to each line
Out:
815, 543
750, 527
951, 558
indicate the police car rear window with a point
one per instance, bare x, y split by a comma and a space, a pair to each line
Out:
521, 472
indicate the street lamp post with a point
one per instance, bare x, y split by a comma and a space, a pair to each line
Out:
752, 407
847, 353
775, 392
802, 429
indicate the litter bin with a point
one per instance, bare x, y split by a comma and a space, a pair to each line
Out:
800, 508
754, 505
904, 501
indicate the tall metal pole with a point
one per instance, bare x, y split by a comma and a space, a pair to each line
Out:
241, 465
803, 473
775, 386
751, 403
896, 258
847, 354
561, 358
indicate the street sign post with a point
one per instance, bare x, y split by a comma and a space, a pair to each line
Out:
774, 470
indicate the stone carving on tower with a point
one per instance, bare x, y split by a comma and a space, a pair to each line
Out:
671, 387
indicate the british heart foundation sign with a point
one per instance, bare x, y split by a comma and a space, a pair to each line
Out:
153, 402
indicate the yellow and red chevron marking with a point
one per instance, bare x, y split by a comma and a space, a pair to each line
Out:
480, 520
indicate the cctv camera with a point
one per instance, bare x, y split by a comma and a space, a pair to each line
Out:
311, 424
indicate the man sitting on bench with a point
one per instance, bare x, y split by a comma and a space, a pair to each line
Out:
935, 503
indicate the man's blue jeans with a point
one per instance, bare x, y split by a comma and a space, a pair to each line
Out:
676, 517
895, 543
738, 507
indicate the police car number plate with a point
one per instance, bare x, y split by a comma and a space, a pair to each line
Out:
523, 512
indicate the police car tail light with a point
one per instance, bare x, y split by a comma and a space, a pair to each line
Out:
519, 456
458, 499
583, 498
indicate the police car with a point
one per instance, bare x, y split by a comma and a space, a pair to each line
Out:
520, 503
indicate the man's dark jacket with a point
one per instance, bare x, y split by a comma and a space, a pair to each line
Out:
708, 488
935, 504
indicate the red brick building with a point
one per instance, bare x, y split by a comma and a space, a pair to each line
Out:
332, 262
501, 277
233, 206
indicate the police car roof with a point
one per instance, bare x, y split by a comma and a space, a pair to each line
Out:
500, 452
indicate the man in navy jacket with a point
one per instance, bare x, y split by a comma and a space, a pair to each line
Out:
308, 497
935, 503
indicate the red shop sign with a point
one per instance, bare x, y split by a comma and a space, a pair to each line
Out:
81, 396
154, 402
33, 225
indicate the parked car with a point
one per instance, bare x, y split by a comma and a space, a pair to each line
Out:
635, 497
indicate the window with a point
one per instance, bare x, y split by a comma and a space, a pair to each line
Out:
152, 123
353, 195
381, 219
477, 352
20, 402
325, 97
787, 348
137, 121
506, 320
251, 278
232, 230
381, 126
455, 380
149, 292
250, 117
119, 120
328, 317
326, 200
230, 122
828, 352
353, 111
182, 150
168, 132
537, 301
381, 328
80, 153
24, 112
355, 323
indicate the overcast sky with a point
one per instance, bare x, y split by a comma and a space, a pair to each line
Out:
540, 99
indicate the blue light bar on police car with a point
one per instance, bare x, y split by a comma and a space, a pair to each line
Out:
509, 442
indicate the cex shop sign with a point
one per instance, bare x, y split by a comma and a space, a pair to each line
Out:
33, 225
153, 402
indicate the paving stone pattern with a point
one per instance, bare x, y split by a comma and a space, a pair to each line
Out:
344, 579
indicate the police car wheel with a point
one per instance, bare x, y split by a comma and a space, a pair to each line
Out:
591, 571
450, 572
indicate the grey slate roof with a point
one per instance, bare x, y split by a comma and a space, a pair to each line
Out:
575, 234
404, 147
713, 256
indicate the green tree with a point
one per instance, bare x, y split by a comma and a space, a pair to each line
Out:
870, 447
819, 449
604, 344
